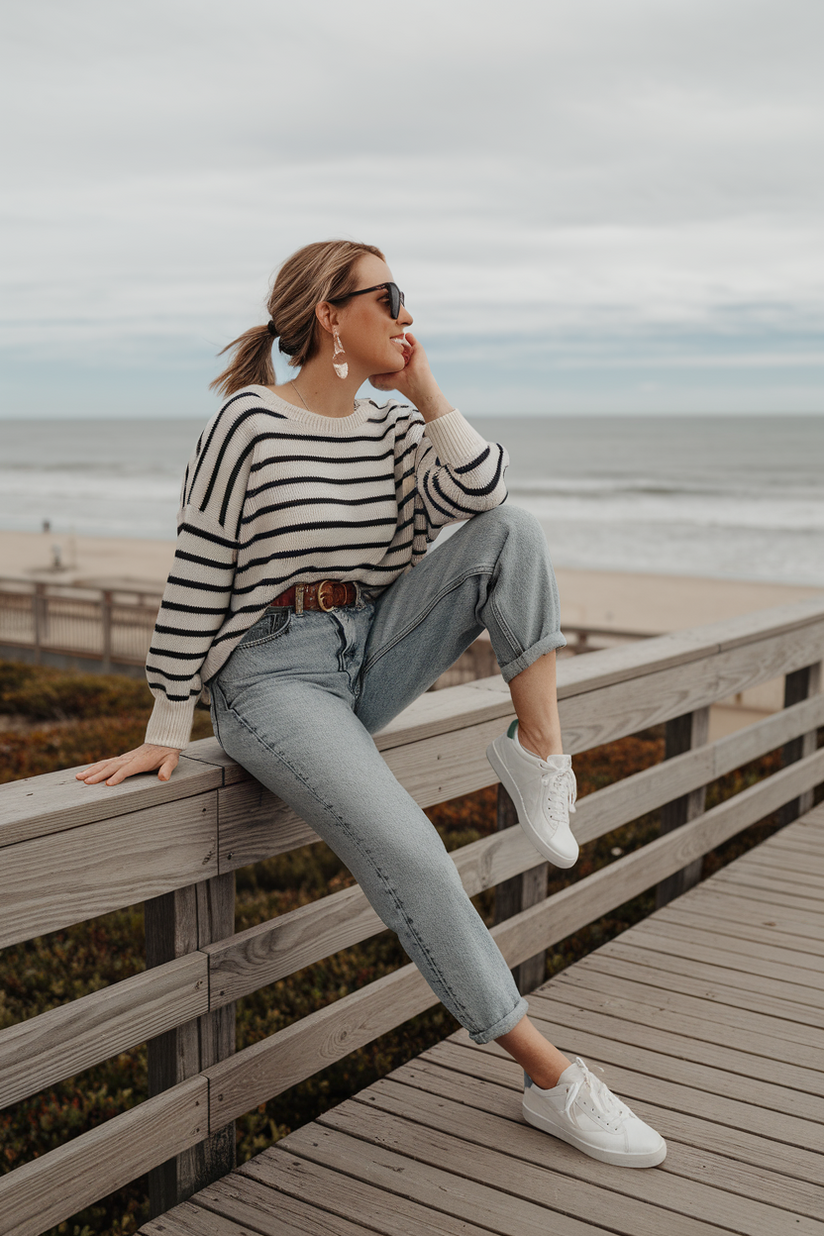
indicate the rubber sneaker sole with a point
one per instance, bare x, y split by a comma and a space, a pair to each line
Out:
616, 1158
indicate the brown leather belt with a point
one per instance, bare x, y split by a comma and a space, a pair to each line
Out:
328, 594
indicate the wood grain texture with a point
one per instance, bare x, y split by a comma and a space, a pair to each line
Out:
597, 717
745, 989
721, 1000
490, 1165
54, 881
289, 1178
678, 1110
757, 1036
478, 1091
65, 1040
55, 802
47, 1190
683, 734
460, 1194
489, 1118
275, 1063
177, 924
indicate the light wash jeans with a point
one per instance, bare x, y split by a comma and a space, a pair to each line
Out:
299, 698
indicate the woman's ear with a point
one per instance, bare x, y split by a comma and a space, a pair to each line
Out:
327, 315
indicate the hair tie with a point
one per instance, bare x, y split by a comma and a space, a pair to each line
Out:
270, 326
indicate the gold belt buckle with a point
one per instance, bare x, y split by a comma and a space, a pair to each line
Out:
326, 589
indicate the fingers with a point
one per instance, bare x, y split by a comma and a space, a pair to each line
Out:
168, 767
144, 759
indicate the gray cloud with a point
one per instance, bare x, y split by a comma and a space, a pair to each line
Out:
602, 185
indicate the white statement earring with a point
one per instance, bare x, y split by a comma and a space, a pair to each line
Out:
341, 368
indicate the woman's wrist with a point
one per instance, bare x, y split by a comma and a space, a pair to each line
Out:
431, 401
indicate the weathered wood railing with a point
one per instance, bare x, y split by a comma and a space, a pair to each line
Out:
70, 852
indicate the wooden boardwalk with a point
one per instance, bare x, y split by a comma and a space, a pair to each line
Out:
706, 1017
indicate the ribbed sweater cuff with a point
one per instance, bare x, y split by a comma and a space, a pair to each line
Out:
170, 725
453, 438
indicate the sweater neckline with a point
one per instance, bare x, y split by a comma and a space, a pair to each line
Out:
330, 424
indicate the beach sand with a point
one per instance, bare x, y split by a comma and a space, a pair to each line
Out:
617, 600
613, 600
623, 601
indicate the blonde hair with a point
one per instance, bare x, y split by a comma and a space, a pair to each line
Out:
322, 271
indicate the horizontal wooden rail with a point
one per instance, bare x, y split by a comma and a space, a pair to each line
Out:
72, 1037
43, 1192
65, 1040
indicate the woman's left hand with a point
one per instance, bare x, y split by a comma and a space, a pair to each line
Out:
414, 360
415, 381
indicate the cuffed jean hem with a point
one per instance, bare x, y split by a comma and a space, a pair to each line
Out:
503, 1026
548, 644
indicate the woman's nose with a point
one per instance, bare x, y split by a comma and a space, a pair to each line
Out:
405, 317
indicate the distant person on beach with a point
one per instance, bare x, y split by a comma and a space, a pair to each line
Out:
302, 595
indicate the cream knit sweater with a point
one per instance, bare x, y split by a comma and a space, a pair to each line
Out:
275, 495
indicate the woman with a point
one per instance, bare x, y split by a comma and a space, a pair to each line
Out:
302, 594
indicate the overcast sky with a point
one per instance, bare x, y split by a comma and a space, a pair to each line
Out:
592, 205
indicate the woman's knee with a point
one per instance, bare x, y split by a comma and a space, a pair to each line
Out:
513, 521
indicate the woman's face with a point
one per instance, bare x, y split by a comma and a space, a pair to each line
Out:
369, 335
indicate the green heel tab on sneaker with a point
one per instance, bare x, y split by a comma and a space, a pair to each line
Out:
510, 733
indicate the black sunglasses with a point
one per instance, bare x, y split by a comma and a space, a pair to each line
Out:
396, 297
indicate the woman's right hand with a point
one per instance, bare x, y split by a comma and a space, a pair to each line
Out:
143, 759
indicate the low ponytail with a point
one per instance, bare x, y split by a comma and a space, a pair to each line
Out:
318, 272
251, 364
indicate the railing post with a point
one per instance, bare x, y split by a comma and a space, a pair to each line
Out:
106, 616
38, 606
178, 923
519, 893
682, 734
798, 686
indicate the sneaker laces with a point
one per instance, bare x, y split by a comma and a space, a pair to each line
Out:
561, 790
600, 1095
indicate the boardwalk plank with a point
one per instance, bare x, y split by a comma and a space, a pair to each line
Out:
724, 1070
349, 1205
810, 843
805, 968
721, 1019
188, 1219
767, 895
770, 883
747, 990
806, 984
706, 921
683, 1158
736, 907
684, 1019
680, 1112
794, 855
487, 1162
773, 899
810, 882
479, 1120
493, 1209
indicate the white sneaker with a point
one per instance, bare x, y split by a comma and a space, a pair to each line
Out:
583, 1111
543, 792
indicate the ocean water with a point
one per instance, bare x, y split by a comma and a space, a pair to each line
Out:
726, 497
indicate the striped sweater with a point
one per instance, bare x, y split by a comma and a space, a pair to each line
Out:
275, 495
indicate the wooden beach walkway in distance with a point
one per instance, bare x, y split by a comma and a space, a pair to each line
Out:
707, 1017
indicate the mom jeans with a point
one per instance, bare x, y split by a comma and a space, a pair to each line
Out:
301, 695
